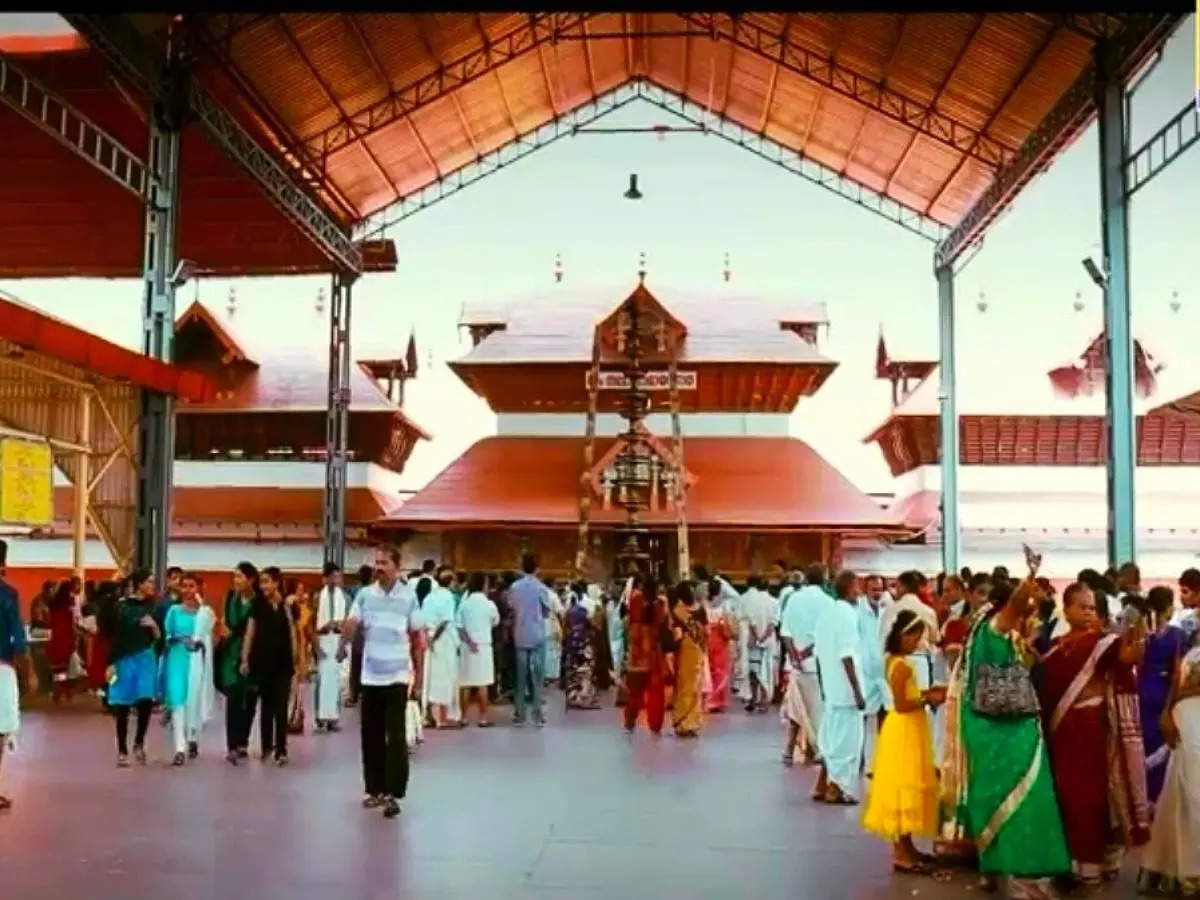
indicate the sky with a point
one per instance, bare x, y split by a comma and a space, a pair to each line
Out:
703, 198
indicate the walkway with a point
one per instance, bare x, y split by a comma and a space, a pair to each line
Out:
576, 810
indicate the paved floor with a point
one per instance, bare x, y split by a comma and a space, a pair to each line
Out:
576, 810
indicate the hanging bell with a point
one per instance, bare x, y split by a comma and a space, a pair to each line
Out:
633, 193
1176, 305
1078, 304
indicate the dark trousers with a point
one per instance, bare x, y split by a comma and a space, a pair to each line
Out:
239, 716
274, 693
144, 708
356, 656
384, 744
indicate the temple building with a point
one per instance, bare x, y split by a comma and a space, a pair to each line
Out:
706, 442
1032, 452
249, 469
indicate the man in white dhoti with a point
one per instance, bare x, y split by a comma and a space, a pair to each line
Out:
870, 609
441, 667
839, 655
729, 598
14, 657
476, 617
802, 703
331, 612
760, 612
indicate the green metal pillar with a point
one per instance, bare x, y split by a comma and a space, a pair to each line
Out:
1114, 204
948, 411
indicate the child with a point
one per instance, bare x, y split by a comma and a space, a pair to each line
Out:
903, 796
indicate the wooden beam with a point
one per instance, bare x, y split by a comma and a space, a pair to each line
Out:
770, 97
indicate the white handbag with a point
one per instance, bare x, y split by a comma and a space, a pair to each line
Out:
414, 724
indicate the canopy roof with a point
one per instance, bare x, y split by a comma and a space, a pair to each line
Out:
742, 482
364, 111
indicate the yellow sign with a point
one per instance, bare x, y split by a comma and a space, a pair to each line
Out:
26, 482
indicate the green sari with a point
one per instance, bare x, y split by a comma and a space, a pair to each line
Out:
1005, 795
229, 655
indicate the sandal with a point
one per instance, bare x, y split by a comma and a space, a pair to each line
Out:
916, 867
486, 723
5, 803
787, 759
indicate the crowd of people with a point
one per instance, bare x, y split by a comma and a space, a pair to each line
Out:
1037, 736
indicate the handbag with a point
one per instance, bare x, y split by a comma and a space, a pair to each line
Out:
1004, 692
413, 726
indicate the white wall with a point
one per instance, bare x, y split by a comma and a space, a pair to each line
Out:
282, 473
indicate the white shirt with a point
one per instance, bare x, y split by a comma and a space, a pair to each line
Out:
477, 616
387, 617
837, 639
439, 608
761, 610
330, 612
805, 607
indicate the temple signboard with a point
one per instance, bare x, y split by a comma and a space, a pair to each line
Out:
26, 482
648, 381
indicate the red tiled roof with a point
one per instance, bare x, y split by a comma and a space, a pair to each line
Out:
260, 505
769, 483
35, 331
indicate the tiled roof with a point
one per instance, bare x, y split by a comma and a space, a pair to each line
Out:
722, 325
754, 482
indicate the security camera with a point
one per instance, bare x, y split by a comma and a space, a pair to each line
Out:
1094, 273
185, 270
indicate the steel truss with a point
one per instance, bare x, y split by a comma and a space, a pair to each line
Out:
71, 128
576, 121
905, 216
527, 37
1163, 147
523, 145
1072, 113
845, 81
122, 45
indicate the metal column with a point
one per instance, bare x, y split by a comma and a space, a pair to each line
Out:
82, 478
947, 401
157, 423
1110, 102
337, 419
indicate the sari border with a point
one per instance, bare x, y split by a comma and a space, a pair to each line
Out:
1014, 799
1080, 681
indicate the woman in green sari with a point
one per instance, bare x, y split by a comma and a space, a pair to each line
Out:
239, 694
997, 785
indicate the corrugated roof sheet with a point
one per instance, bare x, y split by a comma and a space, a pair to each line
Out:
745, 482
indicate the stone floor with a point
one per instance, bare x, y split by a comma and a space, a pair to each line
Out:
576, 810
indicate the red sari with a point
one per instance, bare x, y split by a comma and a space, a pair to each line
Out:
645, 669
720, 658
1096, 750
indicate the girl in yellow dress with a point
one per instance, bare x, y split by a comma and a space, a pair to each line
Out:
903, 797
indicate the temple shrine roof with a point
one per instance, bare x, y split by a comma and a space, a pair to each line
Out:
722, 325
282, 370
743, 482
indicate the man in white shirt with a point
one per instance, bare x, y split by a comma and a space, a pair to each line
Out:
331, 611
760, 612
1187, 617
441, 661
391, 619
802, 702
839, 656
874, 684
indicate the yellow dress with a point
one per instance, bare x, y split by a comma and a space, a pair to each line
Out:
903, 797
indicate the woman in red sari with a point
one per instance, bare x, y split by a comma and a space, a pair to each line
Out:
1089, 701
645, 677
721, 632
61, 646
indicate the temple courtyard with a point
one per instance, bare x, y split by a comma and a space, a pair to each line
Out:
577, 809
